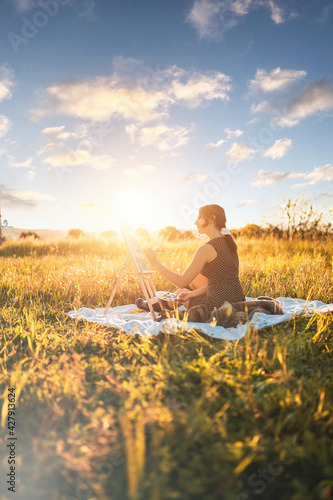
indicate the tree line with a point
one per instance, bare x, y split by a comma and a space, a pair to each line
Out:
292, 219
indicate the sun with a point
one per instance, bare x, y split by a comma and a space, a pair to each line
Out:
135, 205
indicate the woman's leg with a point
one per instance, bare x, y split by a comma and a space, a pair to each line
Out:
198, 282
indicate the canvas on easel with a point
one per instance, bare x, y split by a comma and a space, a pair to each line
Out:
141, 266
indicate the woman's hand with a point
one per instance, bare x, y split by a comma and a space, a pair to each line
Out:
184, 294
151, 256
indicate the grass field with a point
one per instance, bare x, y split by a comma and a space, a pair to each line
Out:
102, 415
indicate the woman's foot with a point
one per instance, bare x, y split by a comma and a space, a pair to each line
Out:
143, 304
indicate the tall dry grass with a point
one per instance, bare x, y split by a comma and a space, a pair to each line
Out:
103, 415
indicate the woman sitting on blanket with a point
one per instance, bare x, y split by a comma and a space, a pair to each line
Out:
212, 277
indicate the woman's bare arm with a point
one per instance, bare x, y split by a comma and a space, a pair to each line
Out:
204, 254
185, 295
198, 282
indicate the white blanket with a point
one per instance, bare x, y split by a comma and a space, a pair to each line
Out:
125, 319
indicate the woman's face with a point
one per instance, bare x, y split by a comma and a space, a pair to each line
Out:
201, 224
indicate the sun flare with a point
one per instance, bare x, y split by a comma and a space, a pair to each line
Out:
136, 206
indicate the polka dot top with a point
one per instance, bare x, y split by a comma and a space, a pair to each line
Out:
223, 277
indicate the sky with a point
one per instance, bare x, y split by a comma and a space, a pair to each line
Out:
146, 110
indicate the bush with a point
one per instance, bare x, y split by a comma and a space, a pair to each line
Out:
251, 231
29, 234
187, 235
109, 234
170, 233
300, 218
143, 233
75, 233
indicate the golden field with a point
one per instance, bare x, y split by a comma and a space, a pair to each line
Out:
103, 415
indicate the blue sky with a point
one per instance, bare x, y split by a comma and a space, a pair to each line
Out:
113, 110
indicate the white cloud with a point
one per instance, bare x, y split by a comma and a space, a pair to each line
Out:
254, 120
135, 172
279, 149
276, 12
48, 147
233, 133
24, 5
212, 18
315, 98
133, 92
100, 100
84, 8
246, 203
277, 79
89, 135
53, 131
239, 153
199, 88
211, 146
79, 157
261, 107
12, 199
23, 164
324, 173
161, 136
240, 7
204, 17
194, 176
4, 125
267, 177
6, 82
59, 133
169, 154
22, 199
35, 195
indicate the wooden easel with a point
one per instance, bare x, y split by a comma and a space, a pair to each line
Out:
138, 258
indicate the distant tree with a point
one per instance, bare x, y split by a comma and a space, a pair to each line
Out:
300, 218
170, 233
75, 233
143, 233
187, 235
109, 234
3, 237
251, 231
274, 231
29, 234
